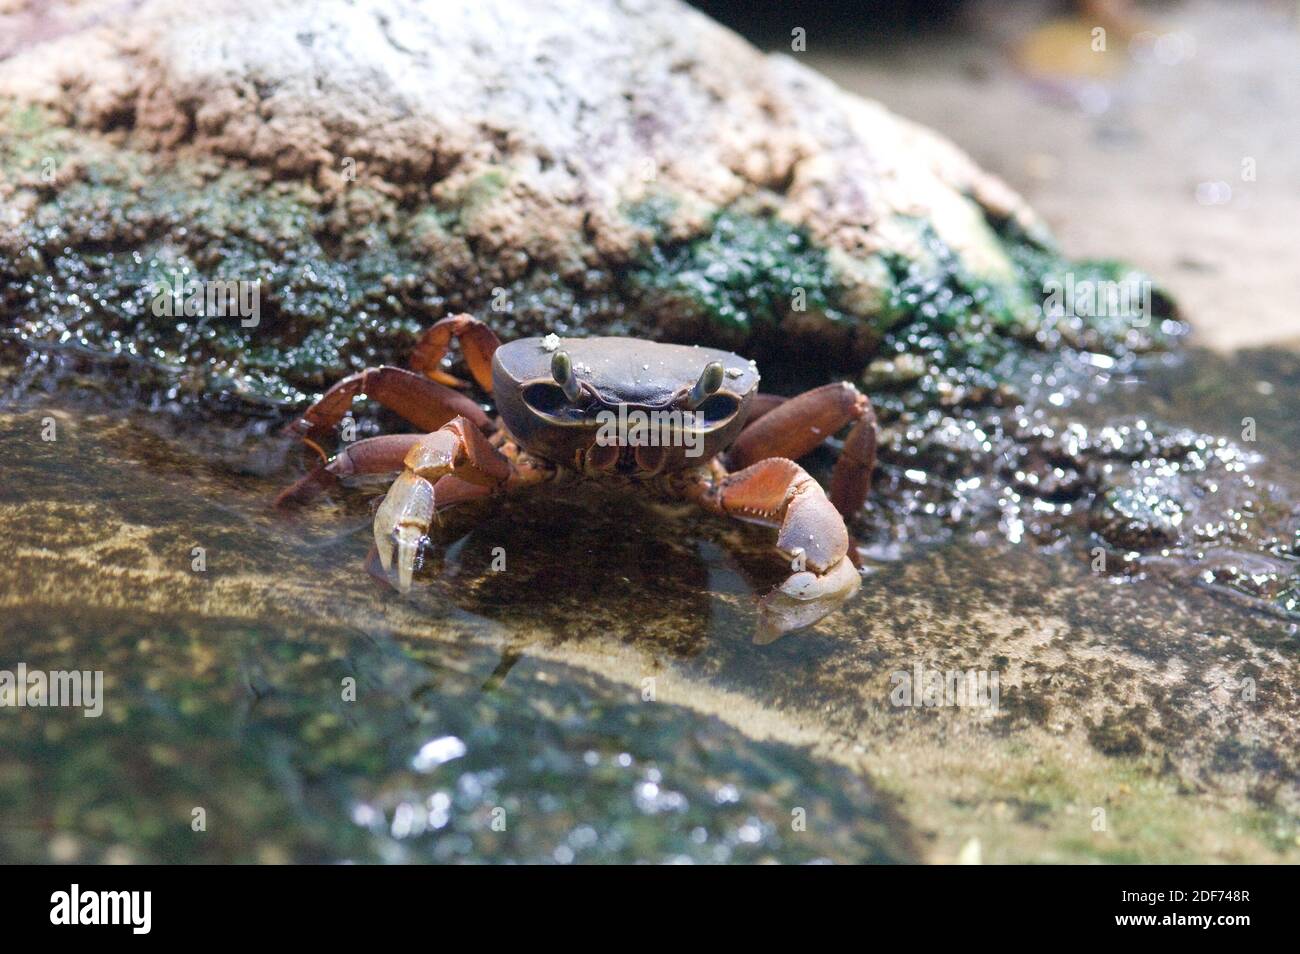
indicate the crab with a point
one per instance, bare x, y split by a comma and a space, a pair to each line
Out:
669, 421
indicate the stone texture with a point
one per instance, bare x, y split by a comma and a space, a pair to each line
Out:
570, 166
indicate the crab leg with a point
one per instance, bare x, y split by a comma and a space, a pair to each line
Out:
426, 404
761, 404
477, 343
779, 493
796, 426
374, 455
457, 449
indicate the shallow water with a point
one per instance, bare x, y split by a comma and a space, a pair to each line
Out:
600, 699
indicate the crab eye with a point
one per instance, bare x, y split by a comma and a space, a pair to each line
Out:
562, 371
717, 408
709, 382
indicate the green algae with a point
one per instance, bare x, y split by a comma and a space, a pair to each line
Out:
344, 283
478, 194
236, 744
964, 332
743, 274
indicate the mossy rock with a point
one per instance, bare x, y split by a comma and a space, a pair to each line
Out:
611, 169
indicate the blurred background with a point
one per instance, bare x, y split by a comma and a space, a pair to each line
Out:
1171, 139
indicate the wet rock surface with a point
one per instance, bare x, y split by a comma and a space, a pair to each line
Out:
430, 758
616, 629
1067, 455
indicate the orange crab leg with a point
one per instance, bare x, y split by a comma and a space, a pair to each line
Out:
761, 404
477, 343
374, 455
795, 427
811, 534
426, 404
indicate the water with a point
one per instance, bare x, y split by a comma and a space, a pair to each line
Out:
601, 698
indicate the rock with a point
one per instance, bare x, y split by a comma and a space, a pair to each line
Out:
574, 167
1177, 712
1143, 517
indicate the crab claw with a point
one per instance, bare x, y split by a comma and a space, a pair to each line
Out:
803, 599
458, 458
778, 492
401, 523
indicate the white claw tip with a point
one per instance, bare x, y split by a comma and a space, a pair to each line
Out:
384, 546
408, 551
